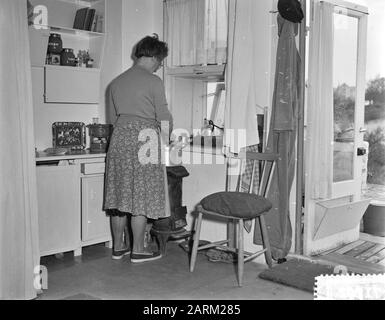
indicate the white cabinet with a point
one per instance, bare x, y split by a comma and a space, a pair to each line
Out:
71, 85
58, 189
95, 223
70, 203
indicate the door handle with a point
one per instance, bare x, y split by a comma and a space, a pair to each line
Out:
361, 151
363, 130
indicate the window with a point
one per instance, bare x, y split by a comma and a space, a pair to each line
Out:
196, 31
345, 78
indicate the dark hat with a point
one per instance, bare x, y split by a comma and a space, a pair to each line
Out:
290, 10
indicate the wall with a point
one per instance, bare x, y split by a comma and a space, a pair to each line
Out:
139, 19
112, 58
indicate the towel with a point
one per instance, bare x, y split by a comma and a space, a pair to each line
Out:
246, 180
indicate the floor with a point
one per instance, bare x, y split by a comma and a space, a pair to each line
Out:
95, 275
365, 256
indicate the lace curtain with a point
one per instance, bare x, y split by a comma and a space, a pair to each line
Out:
196, 31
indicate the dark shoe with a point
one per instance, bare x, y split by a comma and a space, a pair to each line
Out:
117, 255
145, 256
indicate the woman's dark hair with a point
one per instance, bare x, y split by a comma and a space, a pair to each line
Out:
151, 46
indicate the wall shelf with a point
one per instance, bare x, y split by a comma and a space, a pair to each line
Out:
61, 18
70, 31
57, 67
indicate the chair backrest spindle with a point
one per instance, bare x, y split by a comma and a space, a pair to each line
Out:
251, 185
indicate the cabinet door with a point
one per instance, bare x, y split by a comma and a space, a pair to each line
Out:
95, 223
58, 189
72, 85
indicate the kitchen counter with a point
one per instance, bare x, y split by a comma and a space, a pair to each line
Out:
42, 156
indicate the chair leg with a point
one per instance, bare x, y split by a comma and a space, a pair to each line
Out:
240, 252
265, 241
194, 251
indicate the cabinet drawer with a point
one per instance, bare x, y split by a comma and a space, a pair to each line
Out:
93, 168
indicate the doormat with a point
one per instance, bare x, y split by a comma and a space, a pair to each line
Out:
297, 273
81, 296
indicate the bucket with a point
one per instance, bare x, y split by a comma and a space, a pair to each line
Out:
374, 219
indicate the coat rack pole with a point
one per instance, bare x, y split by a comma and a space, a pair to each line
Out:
300, 143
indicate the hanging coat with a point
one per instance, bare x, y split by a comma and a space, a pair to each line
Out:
281, 139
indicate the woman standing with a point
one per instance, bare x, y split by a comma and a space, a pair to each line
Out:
134, 186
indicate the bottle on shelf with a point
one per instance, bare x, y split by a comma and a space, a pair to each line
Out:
80, 58
100, 22
90, 63
84, 59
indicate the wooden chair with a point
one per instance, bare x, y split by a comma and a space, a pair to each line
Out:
236, 207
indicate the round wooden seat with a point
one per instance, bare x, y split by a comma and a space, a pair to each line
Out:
236, 204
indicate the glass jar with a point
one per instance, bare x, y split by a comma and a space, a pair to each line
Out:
68, 58
55, 43
90, 63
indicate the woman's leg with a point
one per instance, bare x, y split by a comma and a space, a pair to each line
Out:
118, 224
138, 225
127, 237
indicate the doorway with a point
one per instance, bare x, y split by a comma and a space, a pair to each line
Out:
334, 147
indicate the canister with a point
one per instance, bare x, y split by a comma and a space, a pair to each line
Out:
55, 43
68, 57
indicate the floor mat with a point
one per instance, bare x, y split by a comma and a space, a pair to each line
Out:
218, 255
81, 296
297, 273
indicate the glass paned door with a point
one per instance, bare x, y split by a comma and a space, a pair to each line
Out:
349, 56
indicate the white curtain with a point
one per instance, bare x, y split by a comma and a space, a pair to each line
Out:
196, 31
19, 252
319, 136
241, 105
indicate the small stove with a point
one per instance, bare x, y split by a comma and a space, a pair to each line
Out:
173, 226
